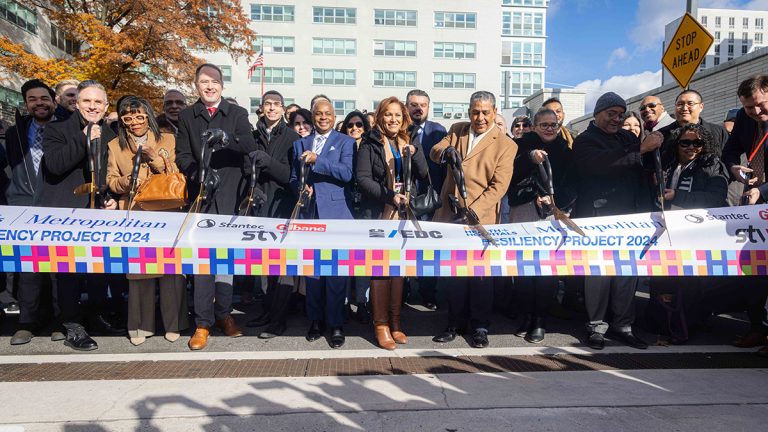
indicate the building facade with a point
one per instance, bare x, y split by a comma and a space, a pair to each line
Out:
358, 53
737, 32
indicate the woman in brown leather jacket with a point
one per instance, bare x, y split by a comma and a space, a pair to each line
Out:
137, 126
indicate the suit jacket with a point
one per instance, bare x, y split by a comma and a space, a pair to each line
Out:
742, 140
64, 166
433, 133
228, 162
274, 179
330, 177
120, 165
487, 172
24, 181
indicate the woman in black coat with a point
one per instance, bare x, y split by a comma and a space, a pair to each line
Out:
380, 180
529, 202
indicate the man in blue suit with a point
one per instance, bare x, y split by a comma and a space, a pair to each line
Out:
330, 154
425, 133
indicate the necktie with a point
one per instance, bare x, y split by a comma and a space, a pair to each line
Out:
211, 111
36, 148
318, 145
758, 163
417, 135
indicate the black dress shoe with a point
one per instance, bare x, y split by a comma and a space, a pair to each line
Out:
273, 330
537, 331
337, 338
596, 341
259, 321
447, 336
315, 331
525, 326
431, 306
78, 339
100, 325
629, 338
480, 339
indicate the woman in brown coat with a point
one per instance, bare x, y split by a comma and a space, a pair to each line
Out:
138, 126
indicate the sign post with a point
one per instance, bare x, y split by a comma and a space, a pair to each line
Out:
687, 50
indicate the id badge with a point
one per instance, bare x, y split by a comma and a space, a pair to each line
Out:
398, 187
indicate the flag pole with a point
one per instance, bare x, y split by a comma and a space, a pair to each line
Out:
262, 82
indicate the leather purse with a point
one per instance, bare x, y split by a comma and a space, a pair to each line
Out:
427, 202
163, 191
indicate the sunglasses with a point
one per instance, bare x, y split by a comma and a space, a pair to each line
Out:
517, 125
358, 125
549, 126
697, 143
138, 118
648, 105
174, 102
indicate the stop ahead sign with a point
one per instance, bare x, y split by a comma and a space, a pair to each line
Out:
687, 50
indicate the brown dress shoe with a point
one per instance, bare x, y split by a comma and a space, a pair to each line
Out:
200, 339
751, 340
228, 326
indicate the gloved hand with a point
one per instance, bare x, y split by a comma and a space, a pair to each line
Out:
260, 158
451, 155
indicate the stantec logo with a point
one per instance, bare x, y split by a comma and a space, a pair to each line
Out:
303, 227
206, 223
694, 218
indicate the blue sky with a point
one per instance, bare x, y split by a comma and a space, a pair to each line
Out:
614, 45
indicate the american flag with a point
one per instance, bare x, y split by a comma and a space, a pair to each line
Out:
259, 62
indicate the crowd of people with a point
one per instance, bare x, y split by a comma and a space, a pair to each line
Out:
355, 169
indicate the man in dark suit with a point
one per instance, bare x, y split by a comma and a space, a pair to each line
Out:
750, 136
330, 155
24, 148
65, 167
213, 294
425, 133
272, 160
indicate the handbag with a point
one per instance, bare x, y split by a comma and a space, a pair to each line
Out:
427, 202
163, 191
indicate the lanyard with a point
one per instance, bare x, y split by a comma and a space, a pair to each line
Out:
757, 147
398, 161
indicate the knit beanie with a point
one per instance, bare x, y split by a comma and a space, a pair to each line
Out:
609, 100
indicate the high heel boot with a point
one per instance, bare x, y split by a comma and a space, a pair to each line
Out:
395, 307
379, 305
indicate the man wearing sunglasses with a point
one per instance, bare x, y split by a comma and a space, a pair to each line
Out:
653, 114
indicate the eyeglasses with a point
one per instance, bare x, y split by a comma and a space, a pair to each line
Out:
272, 104
549, 126
648, 105
689, 104
138, 118
685, 143
174, 102
358, 125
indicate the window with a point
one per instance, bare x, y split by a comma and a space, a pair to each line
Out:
255, 103
703, 63
455, 50
522, 23
758, 23
758, 38
275, 44
226, 73
731, 22
745, 22
717, 61
730, 50
744, 37
730, 36
268, 12
522, 3
275, 75
391, 17
394, 48
523, 83
744, 49
704, 20
394, 78
23, 17
522, 53
11, 97
717, 22
454, 80
347, 77
449, 110
717, 36
330, 15
717, 50
60, 40
343, 107
334, 46
455, 20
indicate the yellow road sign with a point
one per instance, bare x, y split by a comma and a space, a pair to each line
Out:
687, 50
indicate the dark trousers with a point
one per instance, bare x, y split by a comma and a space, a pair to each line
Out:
213, 298
616, 292
469, 299
536, 294
426, 287
98, 300
325, 299
278, 297
67, 296
35, 300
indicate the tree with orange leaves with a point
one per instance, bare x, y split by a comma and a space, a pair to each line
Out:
139, 47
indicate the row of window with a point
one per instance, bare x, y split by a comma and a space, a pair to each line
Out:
348, 47
522, 23
758, 36
522, 53
348, 77
732, 22
343, 15
522, 83
22, 16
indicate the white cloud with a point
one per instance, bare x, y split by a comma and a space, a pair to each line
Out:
625, 86
554, 7
616, 55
